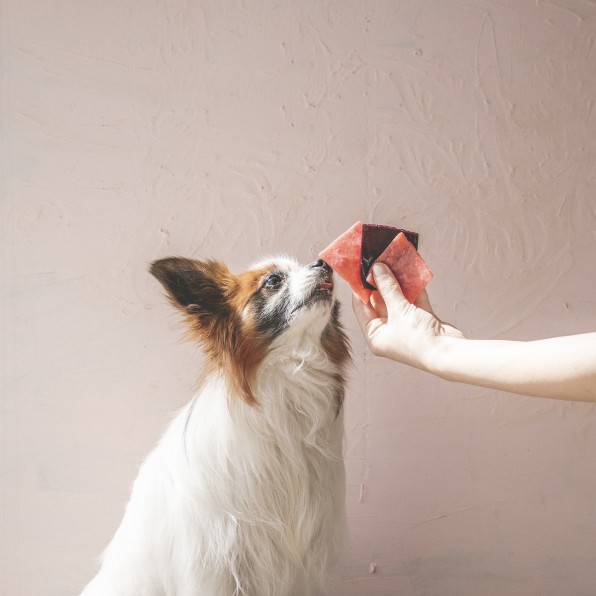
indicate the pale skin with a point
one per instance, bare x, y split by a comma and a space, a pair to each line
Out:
557, 368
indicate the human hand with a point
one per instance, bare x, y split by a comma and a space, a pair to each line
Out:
397, 329
556, 368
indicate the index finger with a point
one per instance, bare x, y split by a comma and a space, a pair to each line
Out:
423, 302
365, 313
389, 288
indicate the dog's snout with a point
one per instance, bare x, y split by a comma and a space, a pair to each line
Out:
320, 264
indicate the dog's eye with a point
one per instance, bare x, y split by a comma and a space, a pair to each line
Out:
273, 281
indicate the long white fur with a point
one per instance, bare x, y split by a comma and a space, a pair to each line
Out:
241, 500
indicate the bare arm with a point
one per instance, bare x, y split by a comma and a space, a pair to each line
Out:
559, 368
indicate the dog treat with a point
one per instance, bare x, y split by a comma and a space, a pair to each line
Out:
375, 239
343, 256
354, 252
407, 265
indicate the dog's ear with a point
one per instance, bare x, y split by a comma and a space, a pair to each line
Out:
196, 287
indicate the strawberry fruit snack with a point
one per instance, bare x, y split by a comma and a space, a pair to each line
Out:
353, 254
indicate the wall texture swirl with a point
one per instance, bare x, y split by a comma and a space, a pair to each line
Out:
135, 129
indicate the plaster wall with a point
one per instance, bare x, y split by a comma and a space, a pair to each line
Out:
133, 130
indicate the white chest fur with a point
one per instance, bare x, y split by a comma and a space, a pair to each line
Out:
237, 499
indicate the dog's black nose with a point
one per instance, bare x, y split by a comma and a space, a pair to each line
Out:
320, 264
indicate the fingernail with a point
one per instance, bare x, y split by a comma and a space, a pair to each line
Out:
378, 269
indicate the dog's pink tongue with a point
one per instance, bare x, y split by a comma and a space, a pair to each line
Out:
326, 286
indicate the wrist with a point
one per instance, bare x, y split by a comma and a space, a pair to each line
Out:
440, 354
419, 351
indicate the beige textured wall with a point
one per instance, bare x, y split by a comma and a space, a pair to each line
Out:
136, 129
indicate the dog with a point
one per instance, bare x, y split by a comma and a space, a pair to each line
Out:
244, 493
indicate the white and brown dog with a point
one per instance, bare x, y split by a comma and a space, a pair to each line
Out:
244, 493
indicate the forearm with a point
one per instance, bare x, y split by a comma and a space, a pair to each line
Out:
558, 368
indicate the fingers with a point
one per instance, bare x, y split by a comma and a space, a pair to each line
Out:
377, 302
424, 303
389, 287
388, 298
369, 320
364, 312
384, 279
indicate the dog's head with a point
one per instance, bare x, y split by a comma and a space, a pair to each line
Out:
277, 304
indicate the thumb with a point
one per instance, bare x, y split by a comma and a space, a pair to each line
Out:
387, 285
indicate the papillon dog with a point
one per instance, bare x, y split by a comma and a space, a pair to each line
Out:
244, 493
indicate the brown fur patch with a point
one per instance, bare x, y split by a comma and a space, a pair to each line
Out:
215, 304
336, 345
213, 301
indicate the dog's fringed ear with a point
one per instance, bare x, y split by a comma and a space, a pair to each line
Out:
196, 287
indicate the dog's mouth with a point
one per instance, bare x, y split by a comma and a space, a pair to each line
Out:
323, 289
321, 292
325, 286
